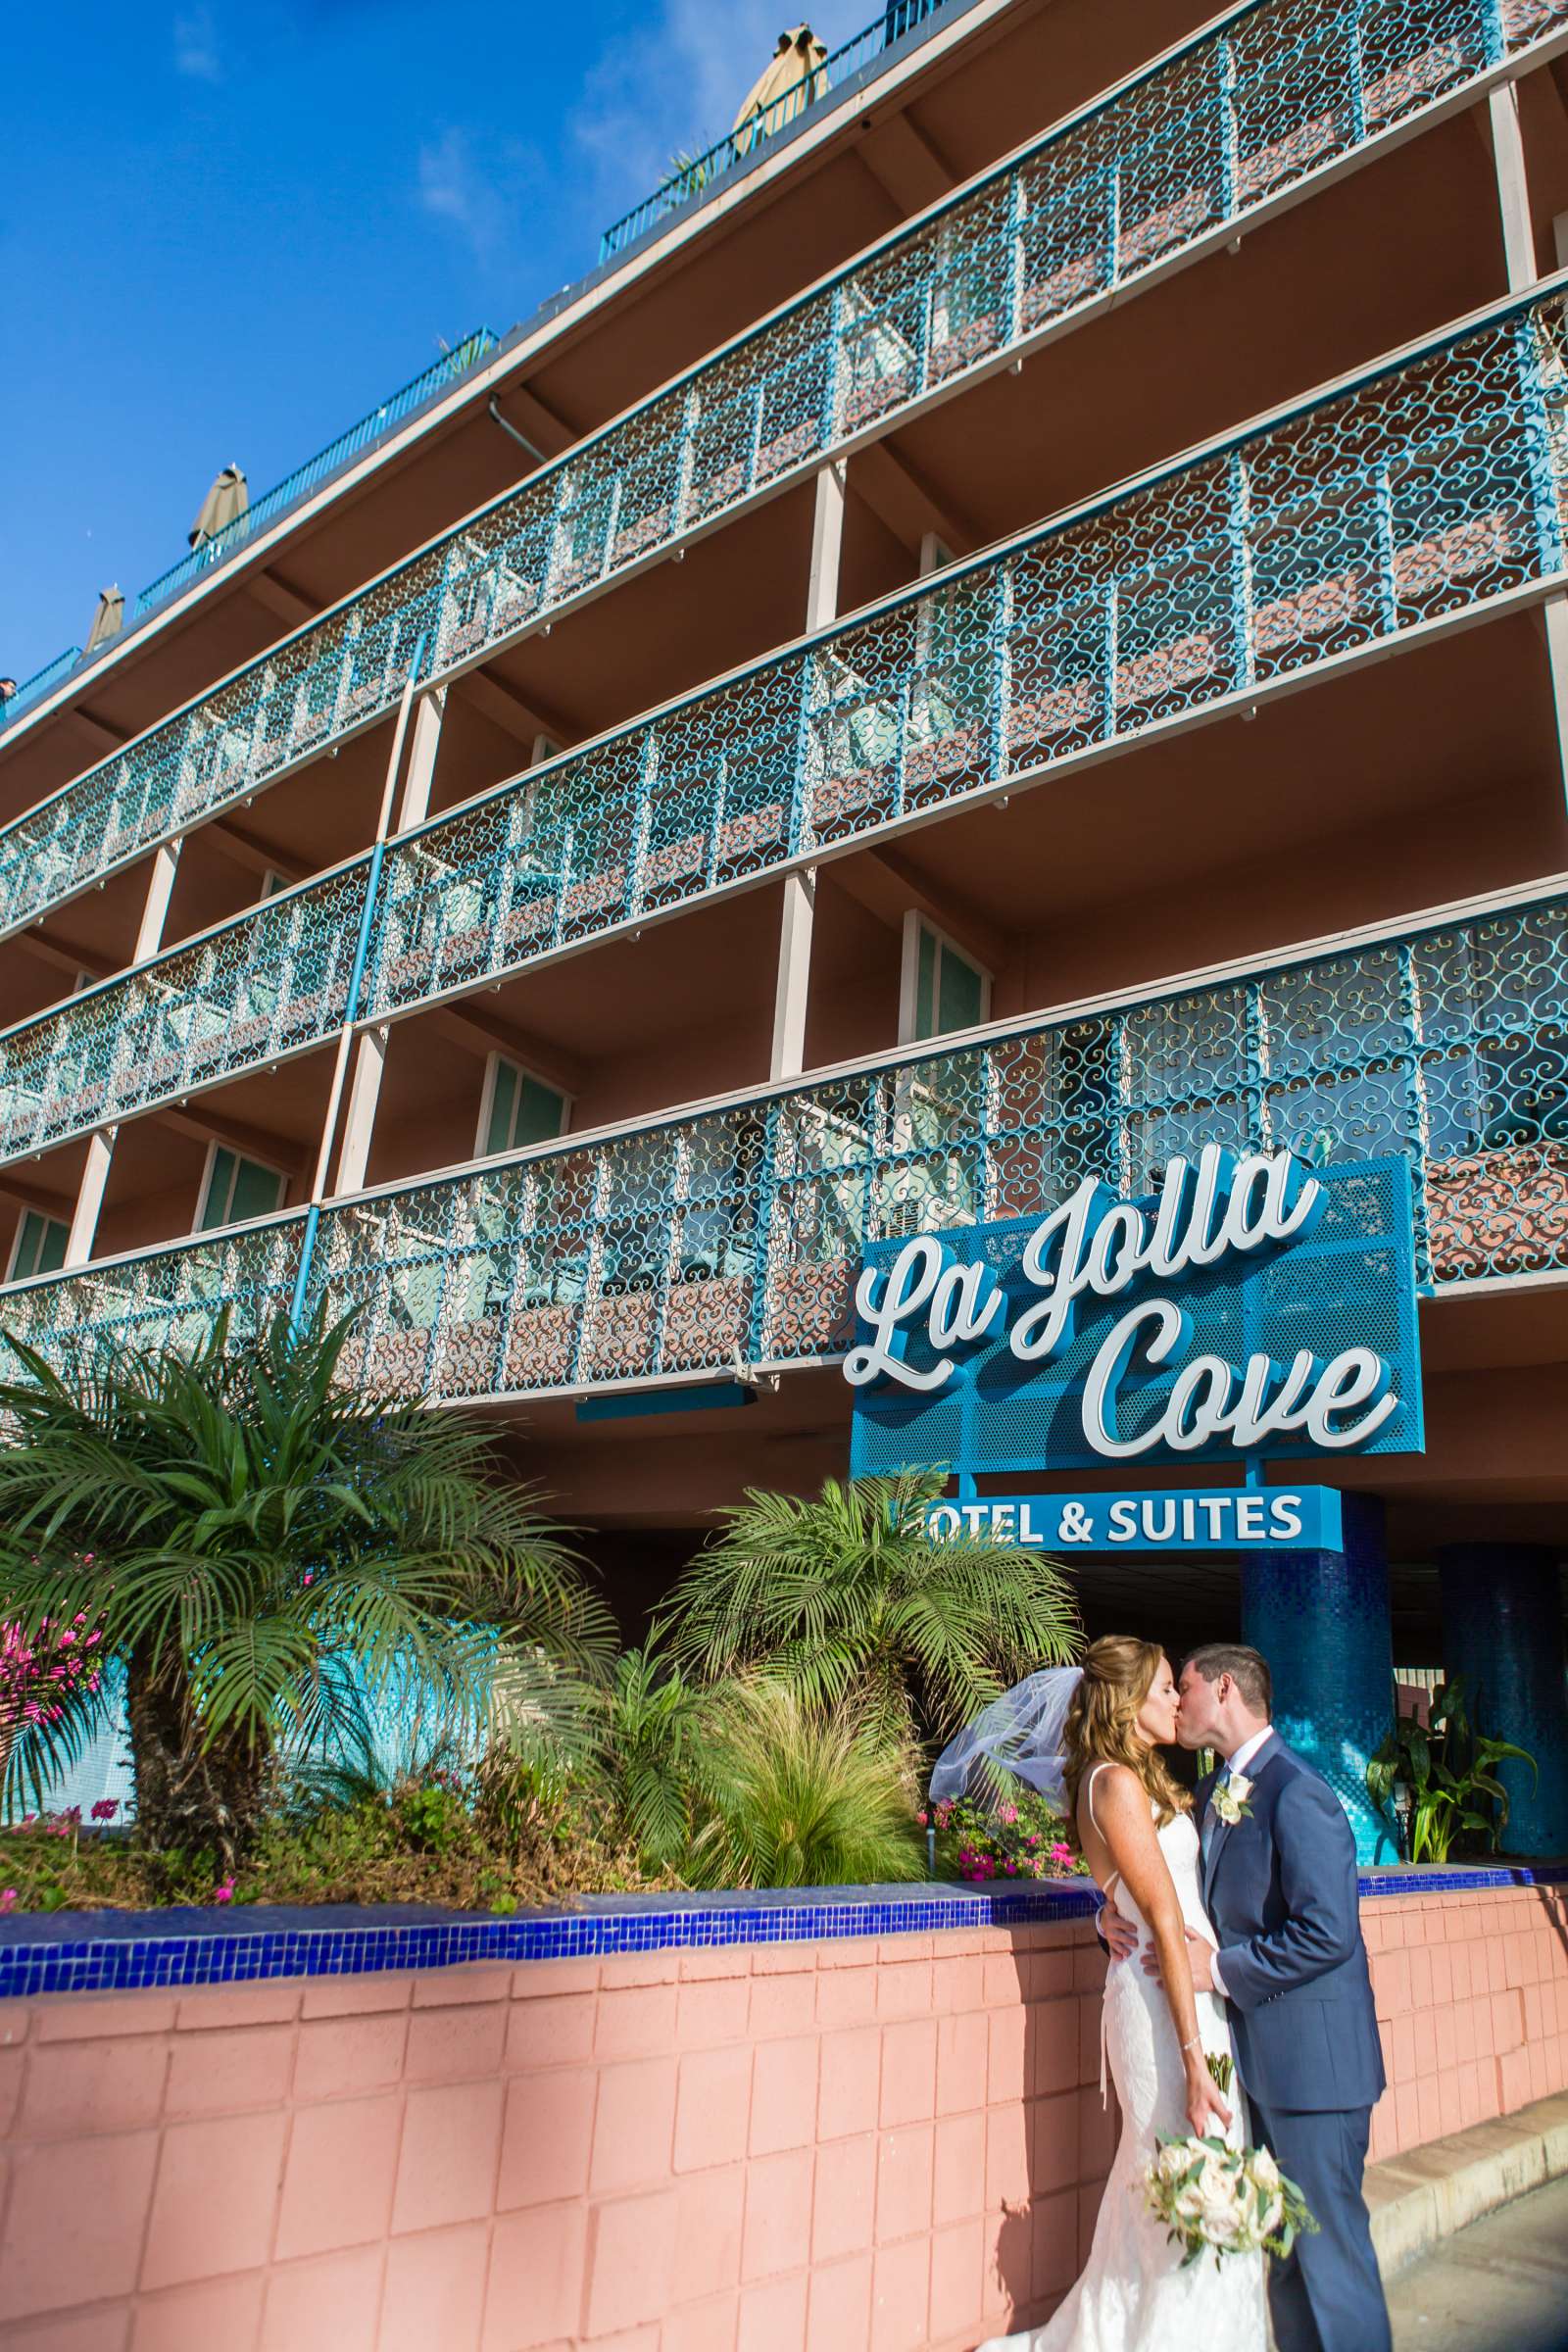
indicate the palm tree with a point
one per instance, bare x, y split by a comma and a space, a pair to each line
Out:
845, 1594
658, 1752
257, 1538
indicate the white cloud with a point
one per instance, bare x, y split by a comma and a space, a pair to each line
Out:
477, 188
678, 88
196, 47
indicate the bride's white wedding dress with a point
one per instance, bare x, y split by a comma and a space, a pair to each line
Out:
1134, 2295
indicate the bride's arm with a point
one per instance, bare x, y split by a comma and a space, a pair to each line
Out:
1121, 1816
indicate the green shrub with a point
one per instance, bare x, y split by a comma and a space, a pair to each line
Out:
803, 1796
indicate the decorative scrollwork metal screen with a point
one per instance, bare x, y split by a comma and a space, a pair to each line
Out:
259, 988
738, 1233
1424, 492
1287, 88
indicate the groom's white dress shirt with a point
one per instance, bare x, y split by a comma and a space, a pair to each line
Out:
1236, 1762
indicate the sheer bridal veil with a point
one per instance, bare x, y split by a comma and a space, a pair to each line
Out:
1020, 1732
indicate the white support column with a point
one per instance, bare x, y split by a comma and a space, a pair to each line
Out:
101, 1143
90, 1195
794, 974
1513, 190
415, 806
155, 908
827, 545
364, 1093
1519, 254
422, 734
800, 889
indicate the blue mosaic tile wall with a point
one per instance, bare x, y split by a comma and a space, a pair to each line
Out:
1321, 1619
131, 1952
1502, 1630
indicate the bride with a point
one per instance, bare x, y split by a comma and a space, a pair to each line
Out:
1136, 1830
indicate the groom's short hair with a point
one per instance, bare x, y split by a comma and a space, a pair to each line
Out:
1247, 1668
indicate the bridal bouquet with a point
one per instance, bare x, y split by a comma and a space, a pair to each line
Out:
1224, 2200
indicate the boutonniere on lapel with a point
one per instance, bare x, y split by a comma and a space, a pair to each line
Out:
1228, 1800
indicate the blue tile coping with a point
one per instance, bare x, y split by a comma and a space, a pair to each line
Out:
114, 1951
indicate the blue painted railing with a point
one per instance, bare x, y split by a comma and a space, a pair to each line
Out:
694, 175
1422, 493
1285, 90
417, 394
684, 1244
421, 389
33, 689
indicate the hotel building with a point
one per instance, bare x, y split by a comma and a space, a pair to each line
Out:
1017, 629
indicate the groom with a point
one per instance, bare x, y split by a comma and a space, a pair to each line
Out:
1279, 1882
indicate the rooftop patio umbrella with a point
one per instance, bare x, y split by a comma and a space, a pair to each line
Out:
795, 67
225, 503
107, 621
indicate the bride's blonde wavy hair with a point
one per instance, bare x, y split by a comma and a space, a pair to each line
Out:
1101, 1728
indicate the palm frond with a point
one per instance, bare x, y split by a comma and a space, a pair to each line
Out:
242, 1523
846, 1592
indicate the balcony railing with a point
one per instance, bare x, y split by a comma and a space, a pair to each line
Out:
414, 395
245, 994
694, 175
1285, 89
679, 1246
438, 377
1423, 492
42, 681
1419, 495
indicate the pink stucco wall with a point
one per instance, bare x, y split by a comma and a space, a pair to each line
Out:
852, 2146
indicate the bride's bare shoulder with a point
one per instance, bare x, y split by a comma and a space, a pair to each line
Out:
1111, 1791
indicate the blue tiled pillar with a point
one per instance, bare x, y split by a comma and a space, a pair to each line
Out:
1321, 1619
1502, 1630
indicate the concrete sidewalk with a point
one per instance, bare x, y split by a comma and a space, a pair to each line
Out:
1500, 2285
1423, 2199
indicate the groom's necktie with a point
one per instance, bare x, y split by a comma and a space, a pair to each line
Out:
1210, 1817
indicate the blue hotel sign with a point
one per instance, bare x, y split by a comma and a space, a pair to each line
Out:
1247, 1311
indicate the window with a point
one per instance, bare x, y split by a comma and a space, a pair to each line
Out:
39, 1246
517, 1109
941, 989
236, 1190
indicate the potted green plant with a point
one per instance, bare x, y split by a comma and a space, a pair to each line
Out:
1447, 1772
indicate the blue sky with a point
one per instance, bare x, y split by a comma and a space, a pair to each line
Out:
227, 231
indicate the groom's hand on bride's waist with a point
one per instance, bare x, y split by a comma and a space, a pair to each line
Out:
1200, 1954
1118, 1935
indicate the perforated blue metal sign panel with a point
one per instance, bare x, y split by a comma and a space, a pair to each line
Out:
1349, 1282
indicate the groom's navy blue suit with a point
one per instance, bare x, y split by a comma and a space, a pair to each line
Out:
1280, 1886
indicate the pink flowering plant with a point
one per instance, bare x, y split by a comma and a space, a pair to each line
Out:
1018, 1837
51, 1676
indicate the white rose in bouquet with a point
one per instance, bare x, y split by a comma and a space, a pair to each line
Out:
1218, 2209
1220, 2200
1266, 2181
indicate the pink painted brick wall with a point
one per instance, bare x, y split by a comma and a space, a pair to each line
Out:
852, 2147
